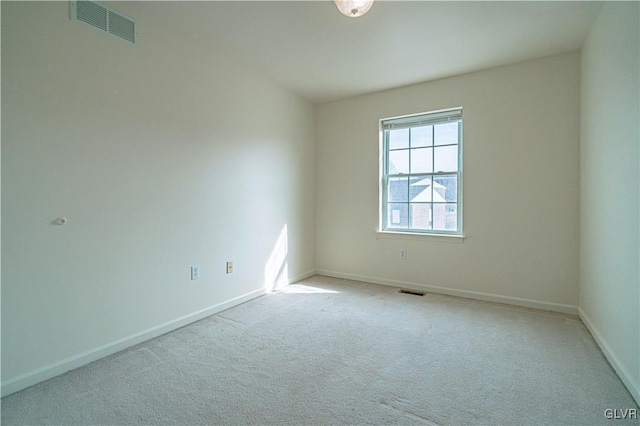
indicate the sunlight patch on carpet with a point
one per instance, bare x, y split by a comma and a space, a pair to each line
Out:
304, 289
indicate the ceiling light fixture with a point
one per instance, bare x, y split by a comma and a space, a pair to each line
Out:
353, 8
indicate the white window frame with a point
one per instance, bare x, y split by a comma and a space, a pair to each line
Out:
416, 120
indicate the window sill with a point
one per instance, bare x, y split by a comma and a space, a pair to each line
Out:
449, 238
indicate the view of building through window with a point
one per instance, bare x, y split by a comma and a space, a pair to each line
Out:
422, 173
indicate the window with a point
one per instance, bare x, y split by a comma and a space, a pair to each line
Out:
421, 188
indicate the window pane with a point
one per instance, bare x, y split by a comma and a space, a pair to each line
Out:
445, 217
420, 216
399, 162
446, 188
421, 136
398, 138
420, 189
446, 159
446, 133
422, 160
397, 215
398, 189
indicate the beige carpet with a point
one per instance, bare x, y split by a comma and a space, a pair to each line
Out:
331, 351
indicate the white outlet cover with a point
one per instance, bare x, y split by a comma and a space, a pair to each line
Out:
195, 272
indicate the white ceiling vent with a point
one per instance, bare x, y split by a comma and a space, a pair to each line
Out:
105, 19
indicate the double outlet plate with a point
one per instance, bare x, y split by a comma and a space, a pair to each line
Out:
195, 272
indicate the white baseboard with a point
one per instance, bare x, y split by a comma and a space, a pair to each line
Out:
518, 301
52, 370
632, 385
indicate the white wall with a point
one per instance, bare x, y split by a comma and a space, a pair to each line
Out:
161, 156
521, 177
609, 185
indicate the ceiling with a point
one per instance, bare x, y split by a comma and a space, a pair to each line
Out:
313, 50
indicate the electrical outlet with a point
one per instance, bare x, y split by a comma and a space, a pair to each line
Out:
195, 272
403, 253
229, 267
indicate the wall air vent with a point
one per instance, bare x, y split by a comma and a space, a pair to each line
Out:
105, 19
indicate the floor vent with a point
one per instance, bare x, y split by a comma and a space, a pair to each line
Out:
105, 19
412, 292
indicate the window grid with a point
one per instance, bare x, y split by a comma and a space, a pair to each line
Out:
444, 207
